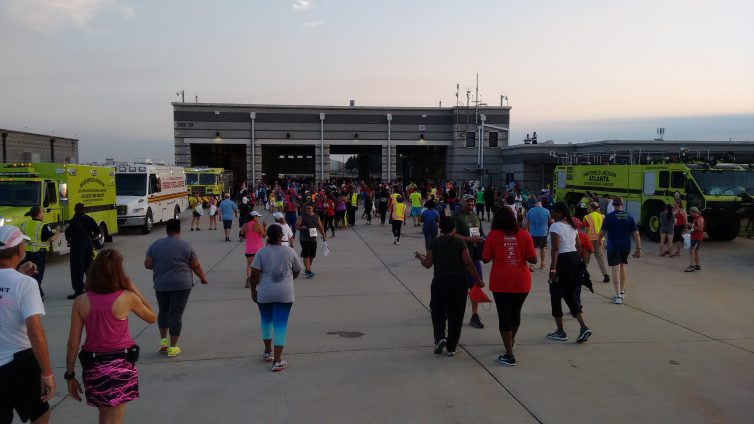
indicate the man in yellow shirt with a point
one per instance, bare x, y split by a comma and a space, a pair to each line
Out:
593, 222
416, 206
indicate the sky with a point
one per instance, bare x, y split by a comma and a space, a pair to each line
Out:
106, 71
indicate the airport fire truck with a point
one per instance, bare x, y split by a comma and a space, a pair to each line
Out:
148, 193
207, 181
722, 191
56, 188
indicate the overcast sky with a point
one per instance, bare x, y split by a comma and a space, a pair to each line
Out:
105, 71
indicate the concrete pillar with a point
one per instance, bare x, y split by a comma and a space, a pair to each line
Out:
257, 159
392, 162
318, 162
249, 176
182, 153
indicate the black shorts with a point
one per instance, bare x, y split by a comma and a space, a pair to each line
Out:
695, 244
617, 257
308, 249
249, 255
480, 207
195, 214
227, 224
539, 241
677, 234
20, 389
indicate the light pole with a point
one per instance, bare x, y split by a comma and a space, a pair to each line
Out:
322, 147
483, 118
389, 120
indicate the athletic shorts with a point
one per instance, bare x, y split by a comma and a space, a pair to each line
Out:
677, 234
478, 265
20, 388
227, 224
695, 244
416, 211
249, 255
480, 207
539, 241
196, 215
617, 257
308, 249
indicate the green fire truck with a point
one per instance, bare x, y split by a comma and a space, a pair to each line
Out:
722, 191
56, 188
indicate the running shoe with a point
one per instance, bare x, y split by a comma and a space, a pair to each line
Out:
583, 335
622, 295
439, 346
310, 274
617, 300
690, 269
279, 366
397, 241
476, 322
163, 346
267, 356
509, 360
697, 268
606, 279
558, 335
173, 351
451, 353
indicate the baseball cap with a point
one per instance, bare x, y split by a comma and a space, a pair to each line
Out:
11, 236
245, 200
255, 213
467, 197
694, 209
278, 215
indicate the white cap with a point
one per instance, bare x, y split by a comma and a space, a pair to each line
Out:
11, 236
245, 200
255, 213
278, 215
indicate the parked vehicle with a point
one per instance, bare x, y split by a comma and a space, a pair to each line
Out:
147, 194
57, 188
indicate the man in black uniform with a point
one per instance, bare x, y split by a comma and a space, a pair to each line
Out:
81, 233
40, 236
382, 205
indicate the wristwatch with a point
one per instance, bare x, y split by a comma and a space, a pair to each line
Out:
69, 376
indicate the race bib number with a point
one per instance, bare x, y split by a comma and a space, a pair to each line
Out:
474, 232
313, 232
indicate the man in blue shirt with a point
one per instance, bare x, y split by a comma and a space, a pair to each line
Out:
619, 226
537, 222
228, 211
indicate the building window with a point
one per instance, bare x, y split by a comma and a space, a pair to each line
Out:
470, 139
492, 139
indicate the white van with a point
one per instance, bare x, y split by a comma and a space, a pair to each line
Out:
148, 193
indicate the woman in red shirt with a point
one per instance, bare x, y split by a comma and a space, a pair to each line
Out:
680, 226
509, 248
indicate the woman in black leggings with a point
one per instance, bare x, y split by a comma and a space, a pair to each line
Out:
509, 248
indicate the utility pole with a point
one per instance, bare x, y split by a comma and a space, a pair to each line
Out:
182, 93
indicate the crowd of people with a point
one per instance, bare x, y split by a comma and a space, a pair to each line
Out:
522, 227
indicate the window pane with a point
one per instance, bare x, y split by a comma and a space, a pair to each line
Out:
676, 179
493, 139
470, 139
664, 179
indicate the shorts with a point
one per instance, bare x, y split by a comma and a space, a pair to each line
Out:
617, 257
416, 211
480, 207
227, 224
308, 249
195, 214
695, 244
539, 241
20, 389
478, 265
677, 234
110, 382
249, 255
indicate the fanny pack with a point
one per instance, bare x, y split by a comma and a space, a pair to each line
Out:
130, 354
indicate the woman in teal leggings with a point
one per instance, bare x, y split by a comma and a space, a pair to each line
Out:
272, 273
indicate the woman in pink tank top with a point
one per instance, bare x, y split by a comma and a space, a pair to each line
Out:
254, 231
107, 356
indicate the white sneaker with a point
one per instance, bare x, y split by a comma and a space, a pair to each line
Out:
622, 295
397, 242
617, 300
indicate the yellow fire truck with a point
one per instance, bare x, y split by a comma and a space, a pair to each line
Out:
57, 188
721, 191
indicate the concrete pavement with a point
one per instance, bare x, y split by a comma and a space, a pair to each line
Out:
679, 349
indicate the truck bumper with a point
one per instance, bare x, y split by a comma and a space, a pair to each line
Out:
131, 221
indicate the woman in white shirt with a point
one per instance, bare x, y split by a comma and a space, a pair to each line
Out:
563, 271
